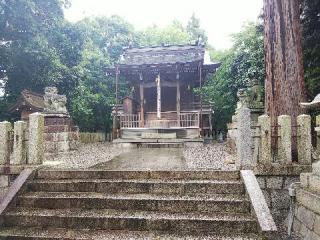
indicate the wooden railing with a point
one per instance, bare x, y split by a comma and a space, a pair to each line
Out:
130, 120
189, 119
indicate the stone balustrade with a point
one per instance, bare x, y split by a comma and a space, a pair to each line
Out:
27, 146
42, 137
260, 143
282, 153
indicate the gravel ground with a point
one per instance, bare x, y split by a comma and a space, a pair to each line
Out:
209, 156
196, 155
86, 156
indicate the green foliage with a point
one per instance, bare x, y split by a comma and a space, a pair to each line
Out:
195, 31
311, 44
39, 48
174, 33
36, 42
239, 65
110, 35
92, 100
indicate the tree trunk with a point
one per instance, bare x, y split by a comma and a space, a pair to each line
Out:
284, 84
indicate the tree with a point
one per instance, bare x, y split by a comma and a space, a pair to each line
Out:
34, 54
311, 45
284, 84
195, 31
239, 65
92, 100
174, 33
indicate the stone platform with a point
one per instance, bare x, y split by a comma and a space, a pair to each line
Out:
141, 133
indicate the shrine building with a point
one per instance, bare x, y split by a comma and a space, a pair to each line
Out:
162, 81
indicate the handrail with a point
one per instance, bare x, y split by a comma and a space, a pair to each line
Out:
15, 188
260, 206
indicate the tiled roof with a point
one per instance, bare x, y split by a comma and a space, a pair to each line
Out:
33, 99
163, 55
29, 99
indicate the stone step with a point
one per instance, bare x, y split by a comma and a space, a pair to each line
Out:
154, 186
147, 202
107, 219
164, 175
161, 145
18, 233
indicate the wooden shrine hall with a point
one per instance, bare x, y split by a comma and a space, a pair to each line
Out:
161, 95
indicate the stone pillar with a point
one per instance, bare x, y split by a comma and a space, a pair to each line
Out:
265, 156
244, 139
158, 97
19, 146
284, 142
304, 139
316, 166
36, 138
318, 135
5, 128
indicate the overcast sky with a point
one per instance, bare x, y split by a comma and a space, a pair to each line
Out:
219, 18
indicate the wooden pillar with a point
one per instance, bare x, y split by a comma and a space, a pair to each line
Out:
115, 117
141, 104
158, 96
200, 79
178, 99
210, 123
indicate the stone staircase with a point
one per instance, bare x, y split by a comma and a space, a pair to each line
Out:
95, 204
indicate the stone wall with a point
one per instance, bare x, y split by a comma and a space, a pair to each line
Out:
60, 135
275, 190
307, 211
307, 221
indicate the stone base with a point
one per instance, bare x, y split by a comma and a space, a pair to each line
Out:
180, 133
316, 168
147, 135
307, 215
60, 134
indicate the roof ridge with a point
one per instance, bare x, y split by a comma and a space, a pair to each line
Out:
32, 92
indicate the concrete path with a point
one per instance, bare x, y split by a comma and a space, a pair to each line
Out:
147, 159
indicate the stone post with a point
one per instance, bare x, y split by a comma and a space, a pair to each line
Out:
284, 142
244, 139
36, 138
316, 166
318, 135
304, 139
265, 136
5, 128
19, 147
